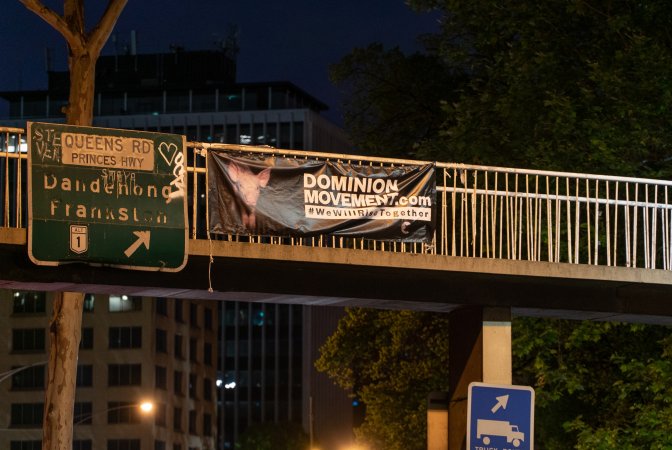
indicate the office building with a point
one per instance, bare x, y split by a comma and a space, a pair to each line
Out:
133, 350
265, 352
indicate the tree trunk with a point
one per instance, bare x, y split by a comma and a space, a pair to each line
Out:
64, 336
79, 110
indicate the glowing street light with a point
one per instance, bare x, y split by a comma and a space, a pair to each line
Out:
145, 407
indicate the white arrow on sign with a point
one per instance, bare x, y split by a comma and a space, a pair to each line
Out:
501, 403
143, 239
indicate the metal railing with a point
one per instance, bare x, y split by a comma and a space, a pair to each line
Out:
483, 212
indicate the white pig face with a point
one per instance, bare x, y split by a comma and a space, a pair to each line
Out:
247, 184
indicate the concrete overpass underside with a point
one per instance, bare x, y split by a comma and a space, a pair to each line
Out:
343, 277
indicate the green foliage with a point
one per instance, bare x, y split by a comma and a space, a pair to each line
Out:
390, 361
573, 85
599, 385
393, 100
558, 85
273, 436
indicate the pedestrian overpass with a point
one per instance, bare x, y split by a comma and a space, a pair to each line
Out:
541, 243
507, 242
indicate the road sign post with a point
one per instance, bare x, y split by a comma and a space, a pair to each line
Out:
500, 417
106, 197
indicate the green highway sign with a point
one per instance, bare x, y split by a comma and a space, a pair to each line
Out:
106, 197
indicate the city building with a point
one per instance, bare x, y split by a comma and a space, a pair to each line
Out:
190, 93
133, 351
265, 352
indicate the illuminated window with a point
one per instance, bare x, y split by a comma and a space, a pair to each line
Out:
122, 303
29, 302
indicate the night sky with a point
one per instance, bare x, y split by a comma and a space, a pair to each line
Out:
289, 40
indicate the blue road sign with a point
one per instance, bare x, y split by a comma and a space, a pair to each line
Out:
500, 417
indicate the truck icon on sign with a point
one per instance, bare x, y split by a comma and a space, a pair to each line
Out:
485, 429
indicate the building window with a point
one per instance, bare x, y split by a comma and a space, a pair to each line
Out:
207, 389
179, 310
207, 318
29, 378
87, 339
122, 412
161, 307
207, 425
193, 315
177, 446
179, 353
29, 302
89, 302
123, 444
82, 444
27, 415
28, 340
193, 349
207, 353
124, 374
161, 378
85, 375
177, 419
193, 382
192, 422
177, 383
161, 341
159, 445
125, 337
161, 415
83, 413
124, 303
25, 445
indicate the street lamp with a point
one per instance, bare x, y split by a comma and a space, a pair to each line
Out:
145, 407
9, 373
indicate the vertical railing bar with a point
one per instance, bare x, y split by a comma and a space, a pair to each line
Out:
529, 232
519, 224
454, 195
473, 214
597, 223
508, 219
569, 222
654, 227
608, 224
634, 223
444, 219
493, 218
628, 247
537, 219
6, 155
549, 220
645, 225
616, 225
576, 225
588, 215
486, 201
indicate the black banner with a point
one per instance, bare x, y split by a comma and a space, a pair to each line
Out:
279, 196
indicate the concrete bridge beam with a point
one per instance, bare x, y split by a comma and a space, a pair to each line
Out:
480, 350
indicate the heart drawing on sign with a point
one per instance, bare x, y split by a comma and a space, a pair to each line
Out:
168, 152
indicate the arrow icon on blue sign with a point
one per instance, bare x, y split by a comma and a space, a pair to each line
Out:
501, 403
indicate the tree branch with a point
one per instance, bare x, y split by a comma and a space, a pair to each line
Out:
73, 39
101, 32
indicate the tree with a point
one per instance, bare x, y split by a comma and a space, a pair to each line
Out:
562, 85
578, 85
390, 361
393, 101
598, 385
65, 328
273, 436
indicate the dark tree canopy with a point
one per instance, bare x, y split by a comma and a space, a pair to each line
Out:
571, 85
